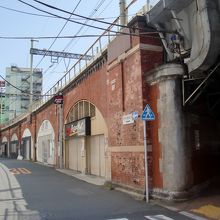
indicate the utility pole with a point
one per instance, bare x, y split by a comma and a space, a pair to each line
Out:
60, 110
123, 12
31, 74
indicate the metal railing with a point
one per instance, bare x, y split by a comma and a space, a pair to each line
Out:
95, 50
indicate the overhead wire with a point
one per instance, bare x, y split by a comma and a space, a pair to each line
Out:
48, 16
67, 20
86, 21
92, 26
28, 13
93, 12
81, 16
77, 22
73, 21
22, 91
70, 37
59, 35
59, 32
48, 49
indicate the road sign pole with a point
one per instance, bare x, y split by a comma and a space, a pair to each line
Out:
147, 115
146, 162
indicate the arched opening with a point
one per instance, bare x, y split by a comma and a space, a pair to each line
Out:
4, 150
26, 149
45, 143
86, 145
13, 147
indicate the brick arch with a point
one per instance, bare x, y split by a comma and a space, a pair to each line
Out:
98, 112
4, 139
46, 140
93, 88
26, 133
50, 113
14, 137
71, 107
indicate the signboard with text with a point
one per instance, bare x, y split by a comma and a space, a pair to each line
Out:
58, 99
78, 128
127, 119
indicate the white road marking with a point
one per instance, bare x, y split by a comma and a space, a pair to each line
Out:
158, 217
118, 219
192, 216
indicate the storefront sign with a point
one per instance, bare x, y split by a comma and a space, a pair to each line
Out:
58, 99
78, 128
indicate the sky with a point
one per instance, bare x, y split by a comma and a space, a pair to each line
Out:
21, 20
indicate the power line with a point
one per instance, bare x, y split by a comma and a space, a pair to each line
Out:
81, 16
76, 22
86, 21
28, 13
44, 55
74, 36
60, 32
55, 38
93, 12
48, 16
22, 91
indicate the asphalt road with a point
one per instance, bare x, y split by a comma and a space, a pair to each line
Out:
33, 191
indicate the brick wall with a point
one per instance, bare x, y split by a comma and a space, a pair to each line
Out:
127, 93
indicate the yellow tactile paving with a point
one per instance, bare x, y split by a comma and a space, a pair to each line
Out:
210, 211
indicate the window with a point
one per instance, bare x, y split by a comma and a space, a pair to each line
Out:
80, 110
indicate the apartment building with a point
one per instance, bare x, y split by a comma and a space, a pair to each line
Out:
17, 91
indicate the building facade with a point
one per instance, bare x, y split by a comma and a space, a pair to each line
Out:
2, 102
18, 101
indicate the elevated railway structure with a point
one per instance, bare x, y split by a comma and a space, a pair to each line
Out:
167, 57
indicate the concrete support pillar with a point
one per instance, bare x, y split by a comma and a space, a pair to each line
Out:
175, 164
107, 161
83, 156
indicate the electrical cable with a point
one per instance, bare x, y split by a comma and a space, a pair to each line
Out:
81, 16
77, 22
22, 91
28, 13
48, 16
94, 11
59, 32
43, 57
71, 37
83, 23
81, 28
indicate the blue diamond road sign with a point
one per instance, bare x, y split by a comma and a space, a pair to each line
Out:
147, 114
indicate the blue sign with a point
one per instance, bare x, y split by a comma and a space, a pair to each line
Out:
148, 114
135, 115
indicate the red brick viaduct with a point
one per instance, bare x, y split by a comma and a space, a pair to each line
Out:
129, 74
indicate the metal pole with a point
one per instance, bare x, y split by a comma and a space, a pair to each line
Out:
61, 135
31, 74
145, 159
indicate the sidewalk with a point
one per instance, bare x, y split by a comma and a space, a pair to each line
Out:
87, 178
207, 205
